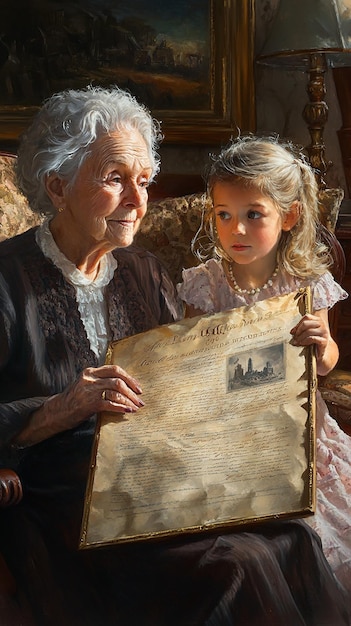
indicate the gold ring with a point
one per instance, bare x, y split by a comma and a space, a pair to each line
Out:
103, 395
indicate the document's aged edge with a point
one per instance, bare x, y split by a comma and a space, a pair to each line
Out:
90, 481
89, 487
312, 389
305, 304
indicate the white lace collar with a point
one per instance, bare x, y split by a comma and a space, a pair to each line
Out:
48, 246
89, 293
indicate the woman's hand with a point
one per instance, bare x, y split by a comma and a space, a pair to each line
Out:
105, 388
314, 330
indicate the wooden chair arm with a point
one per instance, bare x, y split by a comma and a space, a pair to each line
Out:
335, 389
10, 493
10, 488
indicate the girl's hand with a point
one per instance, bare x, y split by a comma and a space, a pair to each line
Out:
314, 330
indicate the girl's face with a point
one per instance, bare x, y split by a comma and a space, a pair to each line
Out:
248, 224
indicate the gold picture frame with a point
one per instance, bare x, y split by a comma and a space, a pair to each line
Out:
228, 103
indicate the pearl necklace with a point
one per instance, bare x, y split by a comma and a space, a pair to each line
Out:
253, 290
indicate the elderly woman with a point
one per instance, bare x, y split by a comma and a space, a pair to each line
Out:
68, 288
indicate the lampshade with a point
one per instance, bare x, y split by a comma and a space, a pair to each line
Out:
302, 27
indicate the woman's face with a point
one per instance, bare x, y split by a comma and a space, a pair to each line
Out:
108, 199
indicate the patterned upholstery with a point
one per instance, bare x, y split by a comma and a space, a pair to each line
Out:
15, 214
168, 229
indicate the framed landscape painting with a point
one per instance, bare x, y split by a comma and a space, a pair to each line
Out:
190, 62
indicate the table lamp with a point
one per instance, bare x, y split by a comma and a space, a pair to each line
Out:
309, 35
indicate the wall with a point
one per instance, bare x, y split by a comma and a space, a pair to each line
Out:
281, 96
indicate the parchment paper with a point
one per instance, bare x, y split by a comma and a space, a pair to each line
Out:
226, 435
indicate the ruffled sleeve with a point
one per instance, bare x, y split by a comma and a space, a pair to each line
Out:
327, 292
205, 287
195, 288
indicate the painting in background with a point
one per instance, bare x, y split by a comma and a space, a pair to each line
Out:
160, 51
190, 61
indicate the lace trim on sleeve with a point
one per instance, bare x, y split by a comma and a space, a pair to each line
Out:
327, 292
196, 287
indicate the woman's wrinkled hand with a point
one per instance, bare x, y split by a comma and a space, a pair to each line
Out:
105, 388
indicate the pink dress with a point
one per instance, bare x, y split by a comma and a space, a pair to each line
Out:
206, 288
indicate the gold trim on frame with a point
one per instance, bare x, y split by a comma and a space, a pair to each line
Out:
232, 88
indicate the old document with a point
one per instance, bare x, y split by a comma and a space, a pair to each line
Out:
226, 435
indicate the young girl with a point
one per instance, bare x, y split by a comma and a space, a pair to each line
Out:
264, 239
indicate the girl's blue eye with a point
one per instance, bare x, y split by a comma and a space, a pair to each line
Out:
223, 215
254, 215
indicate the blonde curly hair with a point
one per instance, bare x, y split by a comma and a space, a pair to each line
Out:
280, 172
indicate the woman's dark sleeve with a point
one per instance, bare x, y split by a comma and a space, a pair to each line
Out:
14, 413
153, 280
171, 305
